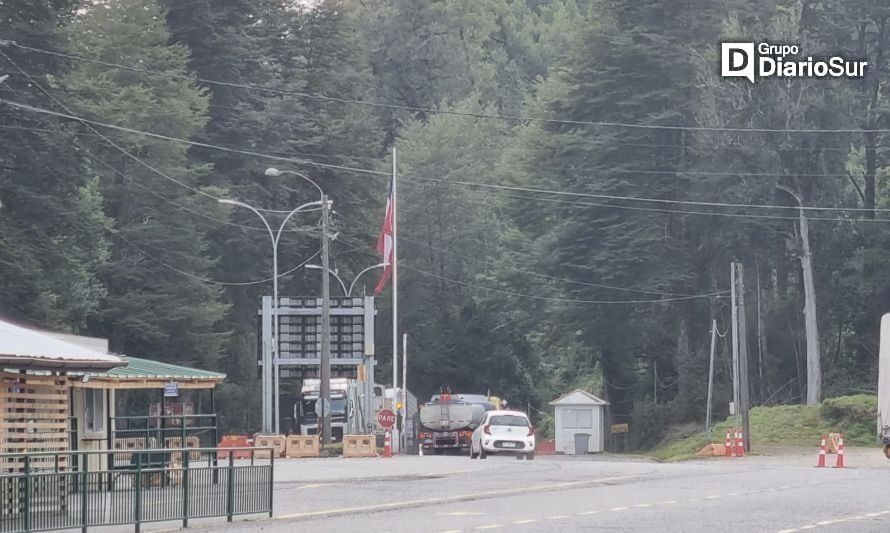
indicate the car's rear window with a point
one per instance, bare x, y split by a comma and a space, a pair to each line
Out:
508, 420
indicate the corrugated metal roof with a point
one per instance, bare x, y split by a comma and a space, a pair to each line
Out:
22, 347
146, 369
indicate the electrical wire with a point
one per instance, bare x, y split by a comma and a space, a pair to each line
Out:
476, 184
556, 299
513, 118
537, 275
87, 123
208, 280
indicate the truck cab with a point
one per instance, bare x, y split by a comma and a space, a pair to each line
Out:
305, 408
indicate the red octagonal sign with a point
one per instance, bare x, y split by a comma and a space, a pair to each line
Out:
386, 418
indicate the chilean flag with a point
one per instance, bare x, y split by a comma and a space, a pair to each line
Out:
385, 243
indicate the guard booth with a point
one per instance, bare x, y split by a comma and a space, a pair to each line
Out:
35, 390
579, 419
143, 405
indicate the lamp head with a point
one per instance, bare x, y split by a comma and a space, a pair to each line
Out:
272, 172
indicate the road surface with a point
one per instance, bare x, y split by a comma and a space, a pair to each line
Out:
781, 494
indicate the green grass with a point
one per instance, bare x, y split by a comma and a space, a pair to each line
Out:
791, 425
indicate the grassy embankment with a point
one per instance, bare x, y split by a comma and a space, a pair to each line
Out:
791, 425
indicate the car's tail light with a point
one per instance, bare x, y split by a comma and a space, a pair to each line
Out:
425, 436
487, 430
531, 431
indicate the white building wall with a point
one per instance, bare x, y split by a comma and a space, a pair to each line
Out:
565, 437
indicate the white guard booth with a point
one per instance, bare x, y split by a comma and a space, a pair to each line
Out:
579, 423
884, 377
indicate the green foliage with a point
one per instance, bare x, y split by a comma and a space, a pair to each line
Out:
792, 425
522, 293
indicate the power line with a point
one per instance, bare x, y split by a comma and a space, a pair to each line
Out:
578, 203
542, 276
470, 184
207, 280
567, 300
515, 118
87, 123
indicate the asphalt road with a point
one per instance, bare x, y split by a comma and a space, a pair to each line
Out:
781, 494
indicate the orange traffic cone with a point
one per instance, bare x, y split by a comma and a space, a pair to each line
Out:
727, 452
387, 445
840, 453
739, 444
821, 463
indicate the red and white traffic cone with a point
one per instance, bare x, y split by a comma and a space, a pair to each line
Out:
387, 445
821, 463
739, 445
727, 451
840, 453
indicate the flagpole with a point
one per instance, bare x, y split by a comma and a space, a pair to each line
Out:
395, 292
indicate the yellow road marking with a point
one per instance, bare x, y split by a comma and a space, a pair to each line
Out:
618, 509
557, 517
668, 502
450, 499
316, 485
490, 526
589, 512
643, 505
527, 521
462, 513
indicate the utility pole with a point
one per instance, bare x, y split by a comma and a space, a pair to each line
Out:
404, 392
711, 377
395, 295
735, 341
743, 361
655, 381
325, 371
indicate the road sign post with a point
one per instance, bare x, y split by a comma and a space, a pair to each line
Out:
386, 418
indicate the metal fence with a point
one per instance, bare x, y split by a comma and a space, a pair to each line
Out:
160, 485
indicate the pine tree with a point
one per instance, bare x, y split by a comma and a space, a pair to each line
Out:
156, 306
51, 224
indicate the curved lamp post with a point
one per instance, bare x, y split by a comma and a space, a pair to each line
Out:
269, 425
347, 292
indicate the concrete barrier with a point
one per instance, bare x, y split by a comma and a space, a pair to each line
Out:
268, 441
359, 446
176, 442
301, 446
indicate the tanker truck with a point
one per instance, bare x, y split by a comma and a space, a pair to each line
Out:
447, 421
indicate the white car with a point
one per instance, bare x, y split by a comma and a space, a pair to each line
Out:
503, 432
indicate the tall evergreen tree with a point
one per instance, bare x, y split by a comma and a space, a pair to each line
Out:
151, 308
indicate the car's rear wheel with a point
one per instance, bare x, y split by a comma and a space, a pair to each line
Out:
472, 455
482, 453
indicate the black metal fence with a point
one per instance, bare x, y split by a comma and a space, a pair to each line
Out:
160, 485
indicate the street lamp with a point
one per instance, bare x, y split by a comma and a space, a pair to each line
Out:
4, 78
348, 292
325, 359
272, 381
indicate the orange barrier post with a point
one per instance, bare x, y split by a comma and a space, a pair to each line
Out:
727, 452
840, 453
821, 463
387, 444
739, 444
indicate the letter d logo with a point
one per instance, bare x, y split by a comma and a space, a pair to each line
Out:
737, 60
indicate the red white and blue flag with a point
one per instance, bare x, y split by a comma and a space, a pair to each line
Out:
385, 243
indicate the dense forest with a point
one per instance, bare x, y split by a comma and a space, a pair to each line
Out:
575, 180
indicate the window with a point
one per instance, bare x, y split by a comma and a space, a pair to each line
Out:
577, 418
509, 420
94, 410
